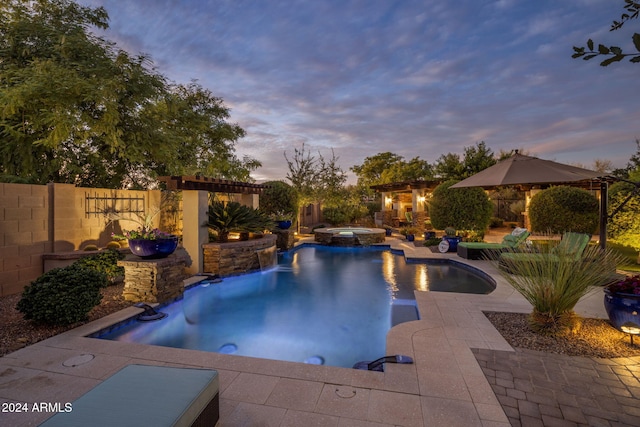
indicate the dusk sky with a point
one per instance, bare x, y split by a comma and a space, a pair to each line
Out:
417, 78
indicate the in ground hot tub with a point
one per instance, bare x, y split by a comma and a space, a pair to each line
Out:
349, 236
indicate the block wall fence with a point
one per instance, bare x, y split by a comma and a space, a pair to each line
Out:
54, 218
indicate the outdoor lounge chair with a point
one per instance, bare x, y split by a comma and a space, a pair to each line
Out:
479, 250
570, 248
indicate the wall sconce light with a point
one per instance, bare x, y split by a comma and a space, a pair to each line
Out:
387, 201
421, 199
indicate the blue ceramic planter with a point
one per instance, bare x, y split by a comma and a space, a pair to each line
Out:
623, 311
150, 249
453, 242
284, 225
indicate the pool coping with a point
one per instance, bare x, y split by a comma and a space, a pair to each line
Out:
444, 383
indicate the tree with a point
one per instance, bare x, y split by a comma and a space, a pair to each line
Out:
314, 179
279, 200
614, 53
414, 169
76, 109
476, 158
371, 170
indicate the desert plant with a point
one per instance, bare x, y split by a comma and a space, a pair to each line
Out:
562, 208
234, 217
462, 208
105, 261
62, 295
553, 282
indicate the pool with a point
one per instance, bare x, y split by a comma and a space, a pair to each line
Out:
321, 304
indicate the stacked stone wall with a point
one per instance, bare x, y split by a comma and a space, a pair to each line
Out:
157, 280
232, 258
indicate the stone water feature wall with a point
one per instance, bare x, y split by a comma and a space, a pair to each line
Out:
154, 280
232, 258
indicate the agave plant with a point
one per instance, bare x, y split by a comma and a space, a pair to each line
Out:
553, 282
234, 217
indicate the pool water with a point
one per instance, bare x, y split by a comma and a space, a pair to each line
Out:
322, 305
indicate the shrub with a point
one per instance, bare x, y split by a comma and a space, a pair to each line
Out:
496, 222
461, 208
91, 248
562, 208
553, 282
62, 295
105, 262
232, 216
279, 200
113, 245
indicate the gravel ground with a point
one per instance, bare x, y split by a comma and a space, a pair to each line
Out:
596, 338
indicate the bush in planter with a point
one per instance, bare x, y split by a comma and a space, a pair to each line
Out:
562, 208
234, 217
63, 295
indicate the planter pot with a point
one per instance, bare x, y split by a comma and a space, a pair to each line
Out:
411, 237
623, 311
429, 235
151, 249
453, 242
387, 232
284, 224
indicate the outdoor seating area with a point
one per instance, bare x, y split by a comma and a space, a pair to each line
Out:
570, 248
484, 250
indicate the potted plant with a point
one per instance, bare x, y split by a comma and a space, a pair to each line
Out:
388, 230
429, 233
409, 233
147, 241
622, 302
452, 239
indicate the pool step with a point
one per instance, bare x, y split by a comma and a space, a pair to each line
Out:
404, 311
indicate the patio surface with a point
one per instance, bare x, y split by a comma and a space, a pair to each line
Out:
465, 373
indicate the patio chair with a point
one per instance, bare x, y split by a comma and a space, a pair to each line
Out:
409, 217
479, 250
570, 249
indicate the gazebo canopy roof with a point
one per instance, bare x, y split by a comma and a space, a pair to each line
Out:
528, 171
213, 185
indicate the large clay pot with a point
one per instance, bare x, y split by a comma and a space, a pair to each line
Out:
150, 249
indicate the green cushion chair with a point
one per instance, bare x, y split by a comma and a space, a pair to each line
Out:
478, 250
570, 248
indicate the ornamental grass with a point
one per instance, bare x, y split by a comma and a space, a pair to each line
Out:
554, 281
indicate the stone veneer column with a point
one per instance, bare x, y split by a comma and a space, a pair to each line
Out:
154, 280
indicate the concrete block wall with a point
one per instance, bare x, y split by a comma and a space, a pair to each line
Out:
24, 234
39, 219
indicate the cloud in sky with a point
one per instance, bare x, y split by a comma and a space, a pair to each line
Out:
417, 78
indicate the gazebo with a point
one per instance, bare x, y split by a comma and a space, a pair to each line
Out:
532, 174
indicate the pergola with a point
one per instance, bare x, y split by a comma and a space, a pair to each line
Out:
195, 198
